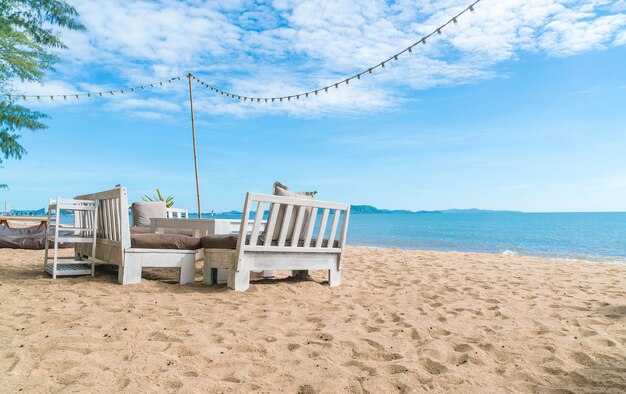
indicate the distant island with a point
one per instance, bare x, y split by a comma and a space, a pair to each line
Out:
369, 209
357, 209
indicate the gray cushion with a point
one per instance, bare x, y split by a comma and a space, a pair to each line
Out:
143, 211
147, 230
220, 241
164, 241
282, 190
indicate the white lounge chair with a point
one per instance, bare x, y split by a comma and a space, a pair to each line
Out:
301, 244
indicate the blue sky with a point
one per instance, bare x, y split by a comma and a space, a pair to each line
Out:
519, 106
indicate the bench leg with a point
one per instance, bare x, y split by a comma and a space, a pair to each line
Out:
334, 277
188, 270
208, 277
130, 272
239, 280
268, 273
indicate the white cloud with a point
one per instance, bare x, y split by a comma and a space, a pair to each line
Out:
290, 46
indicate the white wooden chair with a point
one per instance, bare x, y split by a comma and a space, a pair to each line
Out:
177, 213
82, 232
309, 246
113, 242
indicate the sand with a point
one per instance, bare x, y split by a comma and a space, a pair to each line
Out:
402, 321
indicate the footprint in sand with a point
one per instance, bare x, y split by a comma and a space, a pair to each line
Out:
396, 368
605, 342
191, 374
433, 367
174, 384
354, 363
583, 359
462, 347
373, 344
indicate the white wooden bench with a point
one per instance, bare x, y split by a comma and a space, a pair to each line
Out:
113, 242
310, 246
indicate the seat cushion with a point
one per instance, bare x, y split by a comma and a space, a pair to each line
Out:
146, 230
219, 241
164, 241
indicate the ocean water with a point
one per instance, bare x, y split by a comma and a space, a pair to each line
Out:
597, 237
582, 236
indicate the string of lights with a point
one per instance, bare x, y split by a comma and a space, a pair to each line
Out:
77, 96
215, 89
346, 81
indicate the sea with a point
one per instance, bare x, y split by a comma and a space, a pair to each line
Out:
596, 237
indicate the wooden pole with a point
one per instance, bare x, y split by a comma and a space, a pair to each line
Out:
195, 152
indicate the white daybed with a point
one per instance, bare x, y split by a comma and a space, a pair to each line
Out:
113, 242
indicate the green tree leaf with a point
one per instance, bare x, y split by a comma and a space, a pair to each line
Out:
28, 35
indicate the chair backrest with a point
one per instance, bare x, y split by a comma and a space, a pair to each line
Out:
113, 229
85, 220
314, 236
177, 213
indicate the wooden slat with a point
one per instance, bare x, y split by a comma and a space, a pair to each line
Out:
322, 229
271, 223
285, 225
290, 249
333, 227
297, 229
258, 218
296, 201
115, 226
344, 234
245, 215
309, 231
110, 218
105, 221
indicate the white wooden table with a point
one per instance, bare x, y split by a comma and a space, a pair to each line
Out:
202, 227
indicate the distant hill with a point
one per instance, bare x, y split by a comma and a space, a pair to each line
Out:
357, 209
369, 209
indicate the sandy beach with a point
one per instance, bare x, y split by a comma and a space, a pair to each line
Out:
401, 321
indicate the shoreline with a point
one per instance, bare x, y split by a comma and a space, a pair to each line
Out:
612, 259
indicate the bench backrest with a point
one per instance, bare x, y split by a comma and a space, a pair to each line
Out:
113, 232
314, 236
